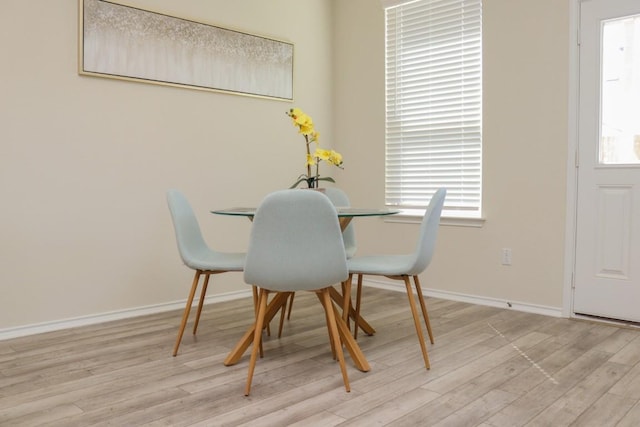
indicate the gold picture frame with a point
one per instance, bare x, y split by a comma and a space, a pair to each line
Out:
124, 42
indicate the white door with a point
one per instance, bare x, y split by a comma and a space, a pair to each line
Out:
607, 270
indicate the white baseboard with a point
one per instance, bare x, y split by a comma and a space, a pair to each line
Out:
472, 299
21, 331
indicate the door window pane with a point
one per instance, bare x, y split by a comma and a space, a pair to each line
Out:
620, 115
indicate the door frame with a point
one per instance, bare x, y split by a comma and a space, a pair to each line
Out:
572, 156
572, 159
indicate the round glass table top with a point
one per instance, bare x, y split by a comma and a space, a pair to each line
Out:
342, 211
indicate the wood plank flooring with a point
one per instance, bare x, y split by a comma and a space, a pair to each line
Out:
489, 367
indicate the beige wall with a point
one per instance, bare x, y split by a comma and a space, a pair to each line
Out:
525, 92
85, 162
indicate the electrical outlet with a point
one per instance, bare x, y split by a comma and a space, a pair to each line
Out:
506, 256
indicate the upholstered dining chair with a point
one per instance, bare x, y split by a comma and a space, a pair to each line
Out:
295, 245
339, 198
405, 267
197, 255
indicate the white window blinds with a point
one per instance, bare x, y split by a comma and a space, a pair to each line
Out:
434, 104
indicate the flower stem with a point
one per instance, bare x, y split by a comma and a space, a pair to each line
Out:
310, 182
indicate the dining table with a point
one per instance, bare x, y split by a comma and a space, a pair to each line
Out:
345, 216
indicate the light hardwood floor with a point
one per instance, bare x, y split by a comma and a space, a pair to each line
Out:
489, 367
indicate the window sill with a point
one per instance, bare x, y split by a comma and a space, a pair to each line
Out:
412, 217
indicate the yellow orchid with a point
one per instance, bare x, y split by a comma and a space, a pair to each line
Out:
335, 158
304, 123
311, 161
314, 136
300, 119
330, 156
322, 154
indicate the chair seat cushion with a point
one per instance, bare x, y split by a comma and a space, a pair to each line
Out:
217, 261
382, 265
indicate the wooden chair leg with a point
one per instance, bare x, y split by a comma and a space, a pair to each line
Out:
255, 309
293, 294
326, 316
416, 321
346, 304
203, 293
289, 302
254, 291
423, 306
255, 306
331, 323
257, 337
187, 309
358, 299
282, 314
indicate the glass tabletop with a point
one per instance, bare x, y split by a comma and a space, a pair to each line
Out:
342, 211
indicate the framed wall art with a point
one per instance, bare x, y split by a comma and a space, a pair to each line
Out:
124, 42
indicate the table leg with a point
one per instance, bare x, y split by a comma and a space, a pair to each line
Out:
359, 320
272, 309
349, 342
344, 222
274, 306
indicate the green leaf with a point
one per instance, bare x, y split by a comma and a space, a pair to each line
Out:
327, 178
298, 182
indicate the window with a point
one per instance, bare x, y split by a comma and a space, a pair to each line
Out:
434, 104
620, 105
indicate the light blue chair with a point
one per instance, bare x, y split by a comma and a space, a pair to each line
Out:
339, 199
295, 245
402, 267
196, 255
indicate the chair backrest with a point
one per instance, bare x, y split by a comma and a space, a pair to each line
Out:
191, 245
295, 243
428, 233
339, 198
